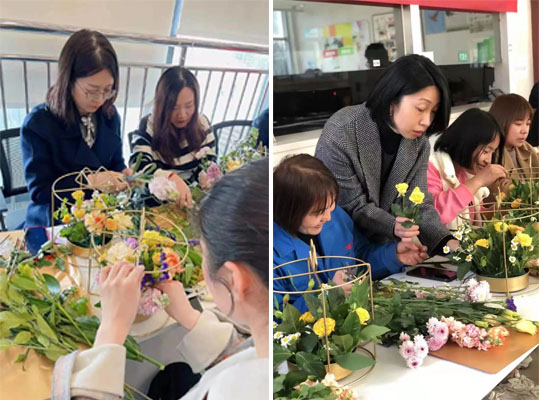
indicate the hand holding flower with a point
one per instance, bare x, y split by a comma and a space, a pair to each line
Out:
410, 253
120, 296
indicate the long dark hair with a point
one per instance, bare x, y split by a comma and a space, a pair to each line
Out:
234, 219
85, 53
301, 182
166, 138
473, 129
408, 75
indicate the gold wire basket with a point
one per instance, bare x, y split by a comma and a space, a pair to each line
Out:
498, 212
312, 270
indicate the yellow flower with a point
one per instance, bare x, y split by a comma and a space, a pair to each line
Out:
516, 203
124, 221
78, 195
153, 238
417, 196
94, 222
501, 196
111, 224
363, 315
526, 326
511, 187
501, 226
318, 327
524, 239
156, 258
307, 317
78, 213
232, 164
66, 219
515, 229
402, 188
482, 243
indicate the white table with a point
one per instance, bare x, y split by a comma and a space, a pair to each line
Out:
436, 378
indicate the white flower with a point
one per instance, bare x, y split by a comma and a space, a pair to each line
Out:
514, 240
469, 257
468, 230
118, 252
274, 324
163, 188
456, 258
512, 259
531, 248
477, 291
285, 341
514, 246
278, 335
470, 248
533, 219
421, 348
446, 249
458, 236
325, 286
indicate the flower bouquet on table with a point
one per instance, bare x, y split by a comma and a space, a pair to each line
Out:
494, 247
38, 314
432, 316
301, 338
415, 199
87, 218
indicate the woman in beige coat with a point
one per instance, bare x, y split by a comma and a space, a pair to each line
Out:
513, 113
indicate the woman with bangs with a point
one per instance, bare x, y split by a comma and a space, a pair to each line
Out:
462, 165
176, 137
305, 209
513, 113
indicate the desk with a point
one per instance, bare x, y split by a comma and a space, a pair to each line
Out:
436, 378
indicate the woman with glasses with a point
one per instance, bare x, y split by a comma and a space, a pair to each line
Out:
176, 137
77, 126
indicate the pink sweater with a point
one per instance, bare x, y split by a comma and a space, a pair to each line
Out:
449, 202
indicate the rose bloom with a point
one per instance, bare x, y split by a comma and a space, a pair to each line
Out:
307, 317
318, 327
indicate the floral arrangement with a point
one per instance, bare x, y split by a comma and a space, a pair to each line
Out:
407, 308
521, 194
301, 338
416, 199
482, 249
326, 389
163, 188
86, 218
161, 254
244, 153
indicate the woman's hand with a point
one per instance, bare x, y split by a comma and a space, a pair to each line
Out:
179, 306
107, 181
184, 198
406, 234
120, 296
339, 278
410, 253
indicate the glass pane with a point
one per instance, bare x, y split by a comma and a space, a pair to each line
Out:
329, 37
281, 58
278, 26
461, 37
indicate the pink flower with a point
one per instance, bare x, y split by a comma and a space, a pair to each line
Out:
477, 291
407, 349
151, 301
163, 188
414, 362
214, 173
404, 337
436, 342
419, 294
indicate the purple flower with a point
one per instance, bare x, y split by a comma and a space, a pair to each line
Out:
132, 242
162, 257
510, 304
193, 242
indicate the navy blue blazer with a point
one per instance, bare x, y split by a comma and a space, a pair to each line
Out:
339, 237
51, 149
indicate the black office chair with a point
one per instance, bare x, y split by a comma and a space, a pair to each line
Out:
12, 170
228, 134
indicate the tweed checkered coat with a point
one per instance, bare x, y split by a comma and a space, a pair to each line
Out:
350, 147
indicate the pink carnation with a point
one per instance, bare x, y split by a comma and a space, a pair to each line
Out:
404, 337
414, 362
436, 342
163, 188
407, 349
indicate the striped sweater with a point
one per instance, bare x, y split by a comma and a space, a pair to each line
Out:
186, 164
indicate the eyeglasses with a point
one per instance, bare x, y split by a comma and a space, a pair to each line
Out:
96, 94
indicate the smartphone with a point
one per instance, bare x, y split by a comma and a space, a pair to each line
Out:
436, 274
35, 237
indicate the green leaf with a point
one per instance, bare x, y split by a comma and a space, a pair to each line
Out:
44, 327
354, 361
54, 352
23, 283
278, 383
291, 323
345, 342
310, 363
359, 294
10, 320
59, 263
313, 304
351, 326
280, 354
22, 337
336, 297
407, 224
307, 342
52, 283
294, 378
21, 358
43, 340
463, 269
5, 344
372, 332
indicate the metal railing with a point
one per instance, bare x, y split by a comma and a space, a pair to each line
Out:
226, 93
